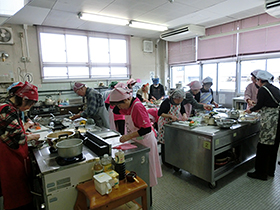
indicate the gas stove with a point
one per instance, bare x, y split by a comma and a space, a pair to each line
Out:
47, 163
59, 177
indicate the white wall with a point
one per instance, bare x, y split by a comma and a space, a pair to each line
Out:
141, 63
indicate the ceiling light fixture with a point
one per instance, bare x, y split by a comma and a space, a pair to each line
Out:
149, 26
102, 19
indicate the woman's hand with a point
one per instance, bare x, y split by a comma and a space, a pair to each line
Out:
207, 107
29, 124
215, 104
251, 102
76, 116
124, 138
33, 136
184, 117
173, 118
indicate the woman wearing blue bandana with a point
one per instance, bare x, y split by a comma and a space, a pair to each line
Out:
205, 96
156, 90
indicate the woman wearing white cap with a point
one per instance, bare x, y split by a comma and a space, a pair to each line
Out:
205, 95
138, 127
268, 99
190, 101
250, 94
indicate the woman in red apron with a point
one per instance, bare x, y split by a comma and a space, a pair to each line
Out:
14, 160
138, 127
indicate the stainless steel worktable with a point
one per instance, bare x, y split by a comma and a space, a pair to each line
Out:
194, 149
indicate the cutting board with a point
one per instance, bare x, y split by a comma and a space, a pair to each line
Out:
43, 128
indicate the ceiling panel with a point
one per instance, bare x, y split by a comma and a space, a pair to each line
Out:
208, 13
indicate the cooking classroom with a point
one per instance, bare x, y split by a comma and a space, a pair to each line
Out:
204, 76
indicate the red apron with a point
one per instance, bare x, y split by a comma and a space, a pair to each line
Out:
14, 170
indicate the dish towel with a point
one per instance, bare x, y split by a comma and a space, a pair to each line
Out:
125, 146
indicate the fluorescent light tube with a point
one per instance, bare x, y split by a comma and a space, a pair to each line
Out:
149, 26
103, 19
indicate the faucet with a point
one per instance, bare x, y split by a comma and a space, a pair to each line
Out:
71, 113
52, 116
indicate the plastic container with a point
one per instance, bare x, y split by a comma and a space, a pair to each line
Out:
115, 177
119, 157
102, 183
97, 167
106, 162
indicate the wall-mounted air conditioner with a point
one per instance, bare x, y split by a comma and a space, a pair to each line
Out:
183, 33
6, 36
272, 7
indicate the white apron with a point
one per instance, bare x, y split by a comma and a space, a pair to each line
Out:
111, 119
149, 140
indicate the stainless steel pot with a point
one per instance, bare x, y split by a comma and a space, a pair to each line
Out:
69, 148
54, 137
225, 122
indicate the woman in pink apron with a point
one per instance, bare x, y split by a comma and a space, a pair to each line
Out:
138, 127
14, 160
117, 121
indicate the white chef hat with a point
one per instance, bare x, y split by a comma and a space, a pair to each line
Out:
265, 75
207, 80
255, 72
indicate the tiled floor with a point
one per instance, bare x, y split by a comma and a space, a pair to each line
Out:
183, 191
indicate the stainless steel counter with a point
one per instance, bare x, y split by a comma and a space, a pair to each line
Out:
195, 149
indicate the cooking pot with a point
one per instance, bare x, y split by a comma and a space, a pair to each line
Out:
234, 114
57, 136
49, 100
69, 148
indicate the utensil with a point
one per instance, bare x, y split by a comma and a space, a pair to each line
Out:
234, 114
225, 122
57, 136
131, 177
69, 148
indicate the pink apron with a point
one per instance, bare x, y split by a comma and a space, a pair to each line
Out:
14, 174
150, 141
111, 119
175, 111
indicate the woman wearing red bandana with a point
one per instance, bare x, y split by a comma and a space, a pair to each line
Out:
14, 159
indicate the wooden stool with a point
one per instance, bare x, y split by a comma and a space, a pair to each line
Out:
126, 192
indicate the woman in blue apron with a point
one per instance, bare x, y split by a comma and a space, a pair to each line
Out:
205, 96
268, 99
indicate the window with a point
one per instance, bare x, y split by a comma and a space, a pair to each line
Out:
184, 74
210, 70
247, 67
78, 55
273, 68
227, 76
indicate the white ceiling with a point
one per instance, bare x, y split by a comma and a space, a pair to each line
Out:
207, 13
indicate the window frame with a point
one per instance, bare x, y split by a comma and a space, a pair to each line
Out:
238, 61
88, 64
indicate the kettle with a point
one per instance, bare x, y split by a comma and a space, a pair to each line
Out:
233, 114
49, 100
